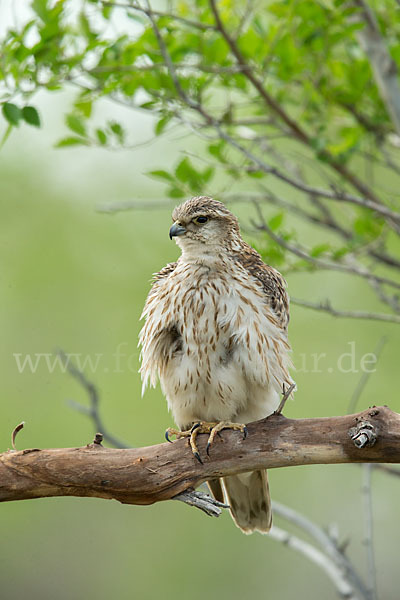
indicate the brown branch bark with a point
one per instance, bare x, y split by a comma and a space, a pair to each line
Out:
148, 475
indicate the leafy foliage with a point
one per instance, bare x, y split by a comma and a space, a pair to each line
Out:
283, 96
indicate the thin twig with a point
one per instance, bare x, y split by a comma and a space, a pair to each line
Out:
285, 395
392, 301
370, 201
333, 194
365, 377
158, 13
326, 306
366, 485
154, 66
383, 65
390, 470
277, 108
315, 555
368, 530
93, 411
212, 507
360, 271
271, 102
327, 544
15, 432
115, 207
326, 220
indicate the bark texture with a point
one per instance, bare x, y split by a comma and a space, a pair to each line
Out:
154, 473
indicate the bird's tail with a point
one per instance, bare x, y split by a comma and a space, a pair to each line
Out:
249, 500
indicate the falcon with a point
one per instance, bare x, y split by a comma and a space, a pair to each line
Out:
215, 335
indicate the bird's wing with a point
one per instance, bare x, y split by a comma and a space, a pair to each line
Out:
165, 272
271, 281
158, 338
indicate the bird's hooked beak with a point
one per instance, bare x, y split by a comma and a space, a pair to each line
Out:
176, 229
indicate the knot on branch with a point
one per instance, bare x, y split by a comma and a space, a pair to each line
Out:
98, 438
363, 434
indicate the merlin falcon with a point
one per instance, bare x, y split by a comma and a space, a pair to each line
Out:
215, 335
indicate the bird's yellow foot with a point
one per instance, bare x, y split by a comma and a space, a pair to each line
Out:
191, 433
212, 429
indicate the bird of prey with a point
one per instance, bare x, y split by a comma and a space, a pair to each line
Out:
215, 335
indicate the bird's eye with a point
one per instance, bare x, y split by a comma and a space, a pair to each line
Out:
200, 220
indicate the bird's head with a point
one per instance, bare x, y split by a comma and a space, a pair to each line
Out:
202, 225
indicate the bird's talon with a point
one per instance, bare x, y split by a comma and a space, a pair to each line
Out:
213, 429
197, 455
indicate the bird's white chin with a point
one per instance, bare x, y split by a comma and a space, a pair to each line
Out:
195, 251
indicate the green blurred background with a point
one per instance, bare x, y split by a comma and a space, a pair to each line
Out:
76, 278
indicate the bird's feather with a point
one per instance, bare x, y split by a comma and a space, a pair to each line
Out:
216, 337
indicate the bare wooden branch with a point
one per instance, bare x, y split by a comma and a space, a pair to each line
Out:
155, 473
330, 546
322, 560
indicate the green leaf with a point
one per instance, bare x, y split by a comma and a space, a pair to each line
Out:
84, 107
216, 150
41, 9
71, 141
160, 174
207, 174
12, 113
368, 227
161, 124
117, 130
186, 173
276, 221
6, 135
175, 192
320, 249
76, 124
101, 136
31, 116
184, 170
340, 252
256, 174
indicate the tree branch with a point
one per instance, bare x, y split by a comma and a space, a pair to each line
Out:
327, 543
155, 473
354, 269
298, 132
368, 529
93, 410
174, 17
325, 306
318, 557
369, 199
383, 66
